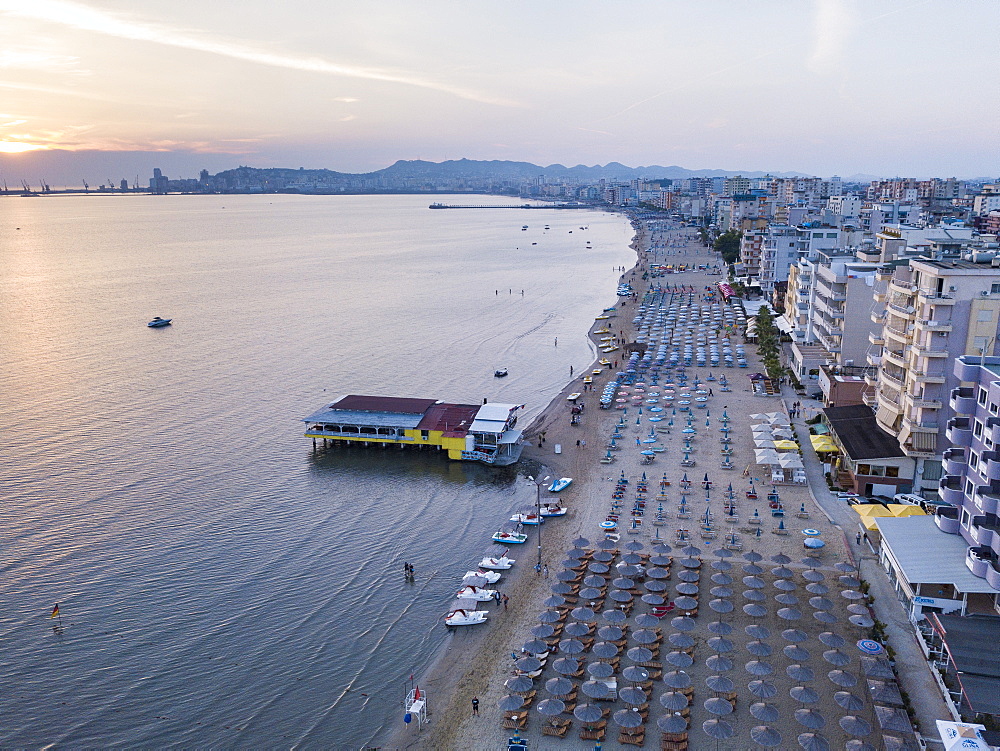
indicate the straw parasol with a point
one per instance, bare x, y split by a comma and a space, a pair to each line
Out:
674, 700
813, 742
756, 667
600, 670
765, 736
762, 689
628, 718
854, 725
759, 648
810, 718
588, 713
511, 703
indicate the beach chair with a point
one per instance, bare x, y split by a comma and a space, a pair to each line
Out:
595, 734
515, 720
633, 736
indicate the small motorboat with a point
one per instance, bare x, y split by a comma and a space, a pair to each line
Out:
159, 323
526, 518
464, 617
476, 593
503, 563
561, 484
574, 396
554, 509
501, 373
491, 577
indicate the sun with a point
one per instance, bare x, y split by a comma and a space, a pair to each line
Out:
18, 147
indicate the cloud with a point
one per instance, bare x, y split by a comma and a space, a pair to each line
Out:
348, 99
77, 16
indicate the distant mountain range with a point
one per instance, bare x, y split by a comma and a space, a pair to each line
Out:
471, 168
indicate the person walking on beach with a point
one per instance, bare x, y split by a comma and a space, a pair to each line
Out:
545, 570
506, 599
857, 539
475, 706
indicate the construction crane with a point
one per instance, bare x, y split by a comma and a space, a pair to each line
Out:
86, 188
45, 187
111, 185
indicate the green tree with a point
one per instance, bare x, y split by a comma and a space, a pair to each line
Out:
728, 245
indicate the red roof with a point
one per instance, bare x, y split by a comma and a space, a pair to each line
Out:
384, 404
453, 420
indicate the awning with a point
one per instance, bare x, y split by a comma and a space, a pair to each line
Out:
923, 441
783, 325
905, 509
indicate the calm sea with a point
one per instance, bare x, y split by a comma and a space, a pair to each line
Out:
220, 582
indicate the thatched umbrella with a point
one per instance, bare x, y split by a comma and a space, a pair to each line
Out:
842, 678
794, 635
796, 653
511, 703
596, 689
519, 684
559, 686
762, 689
800, 673
810, 718
825, 616
600, 670
677, 679
571, 646
755, 610
764, 712
566, 666
672, 723
528, 664
674, 700
836, 657
682, 641
719, 664
803, 694
720, 628
720, 684
756, 667
588, 713
754, 595
635, 674
632, 695
605, 650
628, 718
765, 736
679, 659
849, 701
551, 707
759, 648
853, 725
610, 633
813, 742
718, 706
614, 616
756, 631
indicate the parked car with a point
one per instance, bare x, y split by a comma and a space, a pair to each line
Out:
846, 496
910, 499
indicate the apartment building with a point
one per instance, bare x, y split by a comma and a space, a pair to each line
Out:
935, 311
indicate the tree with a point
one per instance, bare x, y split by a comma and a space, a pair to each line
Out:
728, 244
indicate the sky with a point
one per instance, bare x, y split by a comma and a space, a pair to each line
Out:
112, 88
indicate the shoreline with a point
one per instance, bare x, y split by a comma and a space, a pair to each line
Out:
466, 651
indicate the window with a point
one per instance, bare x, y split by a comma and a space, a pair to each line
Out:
973, 459
864, 469
987, 441
425, 434
832, 235
993, 408
968, 487
877, 471
977, 429
994, 289
933, 470
892, 471
982, 396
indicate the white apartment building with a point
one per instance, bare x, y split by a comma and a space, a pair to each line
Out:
934, 311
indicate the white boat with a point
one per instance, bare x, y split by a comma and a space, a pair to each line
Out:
475, 593
561, 484
159, 323
491, 576
459, 616
554, 509
574, 396
526, 518
510, 538
500, 373
503, 563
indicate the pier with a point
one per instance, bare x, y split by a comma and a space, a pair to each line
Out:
510, 206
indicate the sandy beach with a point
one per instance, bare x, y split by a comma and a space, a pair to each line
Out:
477, 662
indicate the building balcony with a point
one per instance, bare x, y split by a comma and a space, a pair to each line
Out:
959, 431
906, 311
963, 401
967, 370
993, 429
991, 470
901, 288
869, 397
876, 339
944, 326
874, 360
894, 358
880, 296
985, 530
946, 518
993, 574
977, 560
921, 402
897, 335
950, 489
930, 297
987, 502
878, 316
955, 461
930, 350
890, 378
923, 377
922, 426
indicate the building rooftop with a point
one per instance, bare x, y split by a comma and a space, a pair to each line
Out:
979, 668
860, 434
355, 402
453, 420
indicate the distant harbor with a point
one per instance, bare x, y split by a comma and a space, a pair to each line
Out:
513, 206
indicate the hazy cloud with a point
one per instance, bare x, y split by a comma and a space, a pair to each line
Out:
77, 16
832, 27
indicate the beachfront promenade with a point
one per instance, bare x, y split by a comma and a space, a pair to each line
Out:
764, 647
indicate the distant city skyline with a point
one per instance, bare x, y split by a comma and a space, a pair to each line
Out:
825, 87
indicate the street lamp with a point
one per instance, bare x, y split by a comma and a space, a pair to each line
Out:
538, 511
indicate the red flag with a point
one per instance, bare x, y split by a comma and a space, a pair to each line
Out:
55, 611
416, 694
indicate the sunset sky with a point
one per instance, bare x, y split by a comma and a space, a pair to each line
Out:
822, 87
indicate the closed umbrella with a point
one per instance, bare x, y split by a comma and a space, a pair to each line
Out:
762, 689
674, 700
765, 736
588, 713
600, 670
595, 689
810, 718
677, 679
511, 703
796, 653
627, 718
813, 742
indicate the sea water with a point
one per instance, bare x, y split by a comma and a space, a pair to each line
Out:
220, 581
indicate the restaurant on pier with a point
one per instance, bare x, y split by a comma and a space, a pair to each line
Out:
468, 432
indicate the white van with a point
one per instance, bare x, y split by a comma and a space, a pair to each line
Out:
908, 498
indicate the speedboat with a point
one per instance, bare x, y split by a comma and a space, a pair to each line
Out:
503, 563
554, 509
501, 373
159, 323
475, 593
561, 484
510, 538
464, 617
525, 518
490, 576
